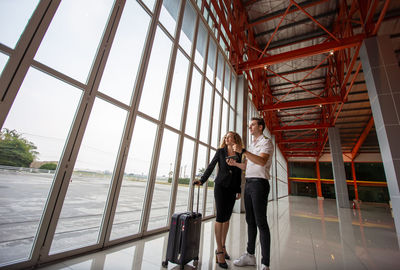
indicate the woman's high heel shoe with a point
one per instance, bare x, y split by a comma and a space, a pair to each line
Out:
221, 264
227, 257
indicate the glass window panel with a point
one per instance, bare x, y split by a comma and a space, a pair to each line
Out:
187, 31
184, 176
177, 93
84, 204
224, 119
169, 15
162, 189
231, 120
210, 190
201, 45
220, 72
233, 91
216, 120
70, 45
122, 64
200, 168
193, 107
212, 50
3, 62
130, 201
149, 3
205, 115
42, 114
153, 87
227, 79
14, 16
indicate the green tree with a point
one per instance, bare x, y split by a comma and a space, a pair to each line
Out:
15, 150
49, 166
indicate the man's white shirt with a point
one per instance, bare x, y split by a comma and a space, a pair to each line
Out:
261, 145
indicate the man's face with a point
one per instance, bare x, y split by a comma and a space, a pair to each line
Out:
254, 128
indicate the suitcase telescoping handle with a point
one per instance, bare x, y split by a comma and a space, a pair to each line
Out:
198, 197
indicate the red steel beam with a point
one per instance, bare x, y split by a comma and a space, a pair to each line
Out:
302, 103
362, 138
301, 141
314, 20
301, 150
300, 155
273, 34
300, 127
304, 52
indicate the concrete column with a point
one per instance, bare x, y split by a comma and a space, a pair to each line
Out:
241, 127
339, 174
382, 77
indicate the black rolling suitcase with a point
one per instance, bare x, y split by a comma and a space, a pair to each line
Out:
184, 237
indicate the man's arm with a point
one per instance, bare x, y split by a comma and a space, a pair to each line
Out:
259, 160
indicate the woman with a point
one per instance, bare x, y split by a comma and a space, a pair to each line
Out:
226, 190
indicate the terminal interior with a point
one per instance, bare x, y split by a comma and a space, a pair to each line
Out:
111, 109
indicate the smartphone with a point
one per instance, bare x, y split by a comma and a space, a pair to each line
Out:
232, 157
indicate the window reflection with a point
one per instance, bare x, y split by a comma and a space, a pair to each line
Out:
41, 114
233, 91
169, 15
224, 119
153, 89
73, 52
205, 115
201, 45
212, 50
189, 20
193, 107
83, 208
14, 16
122, 64
227, 79
216, 120
130, 201
177, 93
220, 72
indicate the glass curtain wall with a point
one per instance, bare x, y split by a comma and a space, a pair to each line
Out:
104, 125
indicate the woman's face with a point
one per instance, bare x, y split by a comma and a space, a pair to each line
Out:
229, 139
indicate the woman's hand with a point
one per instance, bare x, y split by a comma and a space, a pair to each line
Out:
197, 183
231, 162
238, 195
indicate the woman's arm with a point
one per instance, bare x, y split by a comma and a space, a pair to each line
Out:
209, 170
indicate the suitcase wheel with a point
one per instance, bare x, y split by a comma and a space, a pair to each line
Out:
165, 264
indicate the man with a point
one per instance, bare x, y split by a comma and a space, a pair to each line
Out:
259, 159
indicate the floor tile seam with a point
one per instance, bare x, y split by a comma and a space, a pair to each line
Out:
312, 244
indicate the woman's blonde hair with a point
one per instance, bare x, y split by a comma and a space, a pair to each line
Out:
236, 137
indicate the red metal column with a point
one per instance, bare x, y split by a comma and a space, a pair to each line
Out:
319, 190
353, 170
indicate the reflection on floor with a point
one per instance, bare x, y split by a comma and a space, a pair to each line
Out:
306, 234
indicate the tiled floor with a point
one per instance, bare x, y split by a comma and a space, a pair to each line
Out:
305, 233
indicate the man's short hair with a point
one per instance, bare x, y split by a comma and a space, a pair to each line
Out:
260, 122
